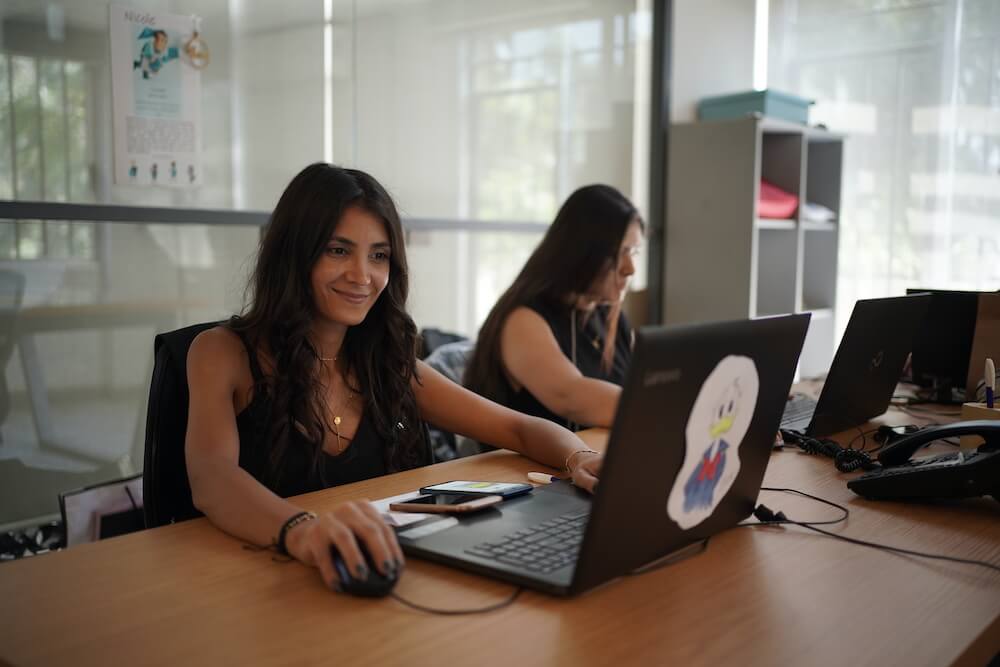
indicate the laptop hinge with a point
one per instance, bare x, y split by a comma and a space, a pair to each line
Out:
675, 556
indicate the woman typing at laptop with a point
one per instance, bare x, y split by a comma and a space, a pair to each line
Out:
317, 384
556, 344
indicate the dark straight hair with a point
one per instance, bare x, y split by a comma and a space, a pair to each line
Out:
579, 247
379, 353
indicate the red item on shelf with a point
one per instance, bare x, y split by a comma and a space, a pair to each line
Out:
774, 202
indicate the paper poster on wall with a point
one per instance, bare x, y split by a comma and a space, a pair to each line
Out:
156, 97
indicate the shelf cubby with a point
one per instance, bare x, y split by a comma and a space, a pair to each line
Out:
723, 261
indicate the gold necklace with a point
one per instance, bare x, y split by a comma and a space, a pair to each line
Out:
337, 419
594, 339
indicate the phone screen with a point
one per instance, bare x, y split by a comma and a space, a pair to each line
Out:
505, 489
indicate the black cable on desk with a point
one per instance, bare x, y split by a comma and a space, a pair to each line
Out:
458, 612
777, 522
908, 552
845, 459
768, 517
413, 605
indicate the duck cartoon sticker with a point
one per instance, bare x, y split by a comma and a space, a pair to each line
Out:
715, 429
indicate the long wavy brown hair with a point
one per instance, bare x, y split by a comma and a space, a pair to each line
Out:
379, 354
580, 245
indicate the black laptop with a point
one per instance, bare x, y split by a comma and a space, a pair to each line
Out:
865, 370
685, 460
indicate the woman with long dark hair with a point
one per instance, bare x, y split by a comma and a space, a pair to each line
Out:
556, 344
317, 383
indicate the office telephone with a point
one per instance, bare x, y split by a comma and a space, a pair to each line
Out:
961, 474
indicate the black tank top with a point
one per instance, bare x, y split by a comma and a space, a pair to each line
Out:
591, 332
364, 457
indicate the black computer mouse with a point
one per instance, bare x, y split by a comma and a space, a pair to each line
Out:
376, 585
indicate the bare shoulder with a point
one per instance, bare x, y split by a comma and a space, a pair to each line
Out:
218, 351
217, 340
524, 320
526, 329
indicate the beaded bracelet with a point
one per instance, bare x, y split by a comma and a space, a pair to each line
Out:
291, 522
574, 453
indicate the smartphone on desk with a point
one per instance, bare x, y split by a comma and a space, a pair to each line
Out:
445, 503
503, 489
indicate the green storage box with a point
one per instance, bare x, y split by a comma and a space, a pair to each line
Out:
769, 103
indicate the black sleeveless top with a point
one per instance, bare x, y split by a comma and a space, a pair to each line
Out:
591, 332
364, 457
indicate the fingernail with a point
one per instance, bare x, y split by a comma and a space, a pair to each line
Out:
338, 587
399, 565
362, 571
389, 567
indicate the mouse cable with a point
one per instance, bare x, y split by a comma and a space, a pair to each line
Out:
768, 517
413, 605
419, 607
459, 612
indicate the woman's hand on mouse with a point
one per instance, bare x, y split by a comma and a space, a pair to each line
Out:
344, 528
586, 470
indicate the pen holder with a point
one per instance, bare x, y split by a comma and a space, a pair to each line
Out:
972, 411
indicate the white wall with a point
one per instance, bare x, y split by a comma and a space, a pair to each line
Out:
277, 77
712, 52
408, 136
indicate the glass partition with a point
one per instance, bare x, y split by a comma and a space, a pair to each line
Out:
914, 86
480, 118
80, 310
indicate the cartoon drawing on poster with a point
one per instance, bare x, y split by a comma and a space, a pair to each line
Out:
156, 94
718, 422
154, 52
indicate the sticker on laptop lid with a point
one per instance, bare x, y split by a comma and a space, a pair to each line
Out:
715, 429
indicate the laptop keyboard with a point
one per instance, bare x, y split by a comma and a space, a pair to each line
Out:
543, 548
798, 408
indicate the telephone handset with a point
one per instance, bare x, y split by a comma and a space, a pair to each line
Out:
961, 474
900, 451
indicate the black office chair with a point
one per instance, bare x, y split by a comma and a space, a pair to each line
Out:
166, 491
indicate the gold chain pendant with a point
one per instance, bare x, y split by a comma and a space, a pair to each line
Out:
336, 430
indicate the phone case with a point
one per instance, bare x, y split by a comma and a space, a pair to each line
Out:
471, 506
522, 489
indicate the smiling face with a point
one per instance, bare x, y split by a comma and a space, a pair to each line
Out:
611, 286
353, 270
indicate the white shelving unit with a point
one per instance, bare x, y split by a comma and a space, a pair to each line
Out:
725, 262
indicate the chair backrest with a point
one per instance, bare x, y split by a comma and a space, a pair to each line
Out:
450, 359
431, 339
166, 490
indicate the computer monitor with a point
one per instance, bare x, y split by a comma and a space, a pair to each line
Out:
943, 343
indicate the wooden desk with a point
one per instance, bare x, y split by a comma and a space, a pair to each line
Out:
188, 594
